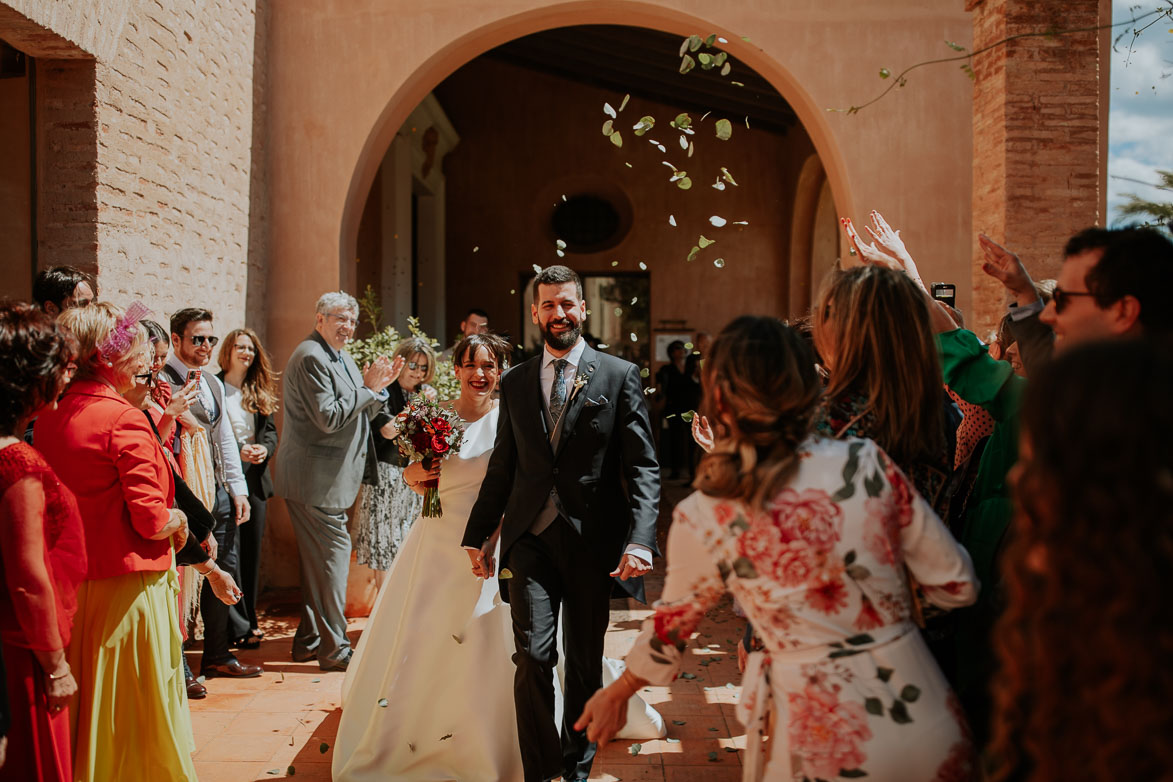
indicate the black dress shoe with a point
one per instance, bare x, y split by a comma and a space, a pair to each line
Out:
304, 657
195, 690
233, 668
341, 664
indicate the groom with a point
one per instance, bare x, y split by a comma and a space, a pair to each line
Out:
574, 486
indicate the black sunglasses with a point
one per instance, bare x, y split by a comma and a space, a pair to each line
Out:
199, 339
1063, 298
422, 366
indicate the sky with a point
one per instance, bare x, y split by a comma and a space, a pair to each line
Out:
1140, 108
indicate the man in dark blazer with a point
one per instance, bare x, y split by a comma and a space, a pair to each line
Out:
572, 488
327, 449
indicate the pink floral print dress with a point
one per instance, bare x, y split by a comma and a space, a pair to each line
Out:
820, 572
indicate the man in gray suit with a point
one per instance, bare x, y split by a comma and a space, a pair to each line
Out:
326, 451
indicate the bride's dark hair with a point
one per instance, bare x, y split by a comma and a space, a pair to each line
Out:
497, 346
760, 393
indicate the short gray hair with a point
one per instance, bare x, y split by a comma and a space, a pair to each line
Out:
336, 300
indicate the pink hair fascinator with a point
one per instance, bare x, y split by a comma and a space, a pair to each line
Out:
121, 337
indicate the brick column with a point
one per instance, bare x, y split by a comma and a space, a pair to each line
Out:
1040, 135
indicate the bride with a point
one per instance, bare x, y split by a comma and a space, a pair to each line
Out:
429, 693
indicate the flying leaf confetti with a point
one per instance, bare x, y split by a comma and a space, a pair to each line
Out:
609, 110
726, 69
608, 127
687, 64
693, 253
724, 129
727, 176
684, 142
634, 338
618, 312
690, 149
617, 139
644, 125
537, 269
718, 185
682, 121
703, 242
719, 263
643, 266
476, 249
741, 222
672, 220
722, 40
561, 244
623, 105
634, 299
717, 221
645, 372
614, 263
684, 184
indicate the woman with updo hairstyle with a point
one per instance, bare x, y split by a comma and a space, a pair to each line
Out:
1084, 682
131, 721
42, 551
812, 537
872, 329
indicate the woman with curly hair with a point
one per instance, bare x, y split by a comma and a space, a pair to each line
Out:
250, 397
812, 537
1093, 543
42, 551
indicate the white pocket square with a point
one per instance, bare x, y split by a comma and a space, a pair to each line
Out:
602, 400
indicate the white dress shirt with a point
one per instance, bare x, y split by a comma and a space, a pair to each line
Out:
229, 450
569, 372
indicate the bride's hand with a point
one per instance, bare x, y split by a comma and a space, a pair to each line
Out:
415, 474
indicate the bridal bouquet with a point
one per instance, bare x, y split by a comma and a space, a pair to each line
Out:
427, 432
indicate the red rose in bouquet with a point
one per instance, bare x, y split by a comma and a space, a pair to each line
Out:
427, 432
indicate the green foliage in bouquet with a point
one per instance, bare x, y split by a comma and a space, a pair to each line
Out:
384, 340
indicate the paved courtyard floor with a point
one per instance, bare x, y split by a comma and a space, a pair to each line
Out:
283, 724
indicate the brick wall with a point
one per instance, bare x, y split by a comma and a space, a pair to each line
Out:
174, 160
1039, 125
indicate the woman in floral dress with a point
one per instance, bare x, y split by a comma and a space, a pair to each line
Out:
812, 537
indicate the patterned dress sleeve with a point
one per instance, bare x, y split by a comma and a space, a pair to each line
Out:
692, 585
940, 565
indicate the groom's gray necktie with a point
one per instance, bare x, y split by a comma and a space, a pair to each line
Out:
558, 390
549, 511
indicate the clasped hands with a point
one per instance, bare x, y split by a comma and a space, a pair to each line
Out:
382, 372
484, 565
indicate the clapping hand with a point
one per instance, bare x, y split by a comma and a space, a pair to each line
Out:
382, 373
891, 244
1006, 267
868, 253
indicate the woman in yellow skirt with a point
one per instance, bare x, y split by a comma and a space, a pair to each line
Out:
131, 721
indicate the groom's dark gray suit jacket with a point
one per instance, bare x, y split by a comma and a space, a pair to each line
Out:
604, 464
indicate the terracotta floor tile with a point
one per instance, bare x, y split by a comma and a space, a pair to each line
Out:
226, 771
241, 747
710, 772
627, 772
267, 723
232, 702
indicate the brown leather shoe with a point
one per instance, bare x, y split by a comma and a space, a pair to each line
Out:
233, 668
195, 690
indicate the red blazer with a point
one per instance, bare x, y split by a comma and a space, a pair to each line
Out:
103, 449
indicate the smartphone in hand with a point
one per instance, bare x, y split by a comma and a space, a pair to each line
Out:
193, 374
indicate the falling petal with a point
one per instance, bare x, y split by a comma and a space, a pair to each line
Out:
681, 121
618, 312
666, 163
719, 263
609, 111
645, 372
741, 222
617, 139
661, 147
727, 176
684, 142
628, 164
693, 253
672, 220
623, 105
747, 123
737, 83
513, 291
726, 69
694, 42
724, 129
561, 244
684, 47
382, 703
614, 263
537, 269
602, 346
608, 127
687, 64
634, 338
564, 196
634, 299
722, 40
684, 184
717, 221
650, 390
719, 185
643, 266
688, 346
476, 249
704, 242
560, 253
690, 149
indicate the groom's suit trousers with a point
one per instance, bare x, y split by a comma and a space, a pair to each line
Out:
551, 575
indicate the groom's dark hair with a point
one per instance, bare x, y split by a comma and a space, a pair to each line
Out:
557, 275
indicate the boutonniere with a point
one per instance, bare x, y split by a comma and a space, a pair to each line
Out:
579, 382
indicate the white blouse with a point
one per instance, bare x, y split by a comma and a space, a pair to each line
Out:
244, 424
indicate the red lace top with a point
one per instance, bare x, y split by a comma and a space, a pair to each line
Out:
40, 535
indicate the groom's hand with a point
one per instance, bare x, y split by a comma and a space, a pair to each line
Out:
482, 563
631, 566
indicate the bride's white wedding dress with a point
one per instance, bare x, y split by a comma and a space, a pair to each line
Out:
429, 693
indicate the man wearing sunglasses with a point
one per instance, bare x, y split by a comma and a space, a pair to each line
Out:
1113, 283
192, 340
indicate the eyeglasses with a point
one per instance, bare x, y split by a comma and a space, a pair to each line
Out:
1063, 298
346, 319
199, 339
244, 348
418, 366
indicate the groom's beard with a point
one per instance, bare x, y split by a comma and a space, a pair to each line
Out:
563, 340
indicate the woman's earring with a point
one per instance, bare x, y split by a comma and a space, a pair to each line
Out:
109, 364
